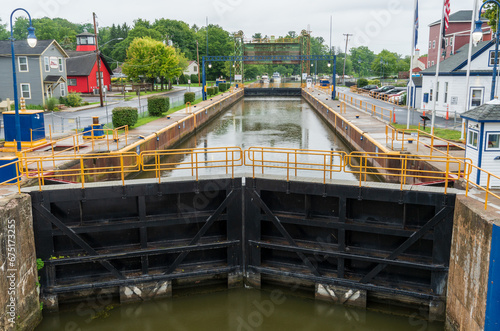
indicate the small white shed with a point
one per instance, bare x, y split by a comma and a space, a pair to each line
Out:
483, 141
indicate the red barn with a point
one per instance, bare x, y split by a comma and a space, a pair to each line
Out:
82, 66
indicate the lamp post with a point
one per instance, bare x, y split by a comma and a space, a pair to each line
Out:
32, 43
477, 35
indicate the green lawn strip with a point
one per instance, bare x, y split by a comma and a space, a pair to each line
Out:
144, 93
438, 132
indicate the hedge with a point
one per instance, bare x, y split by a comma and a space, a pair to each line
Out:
223, 87
216, 90
183, 79
362, 82
194, 79
374, 82
210, 90
189, 97
158, 105
124, 116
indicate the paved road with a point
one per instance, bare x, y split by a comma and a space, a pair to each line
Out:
402, 112
65, 121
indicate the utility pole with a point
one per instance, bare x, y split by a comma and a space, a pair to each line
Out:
198, 60
345, 54
98, 59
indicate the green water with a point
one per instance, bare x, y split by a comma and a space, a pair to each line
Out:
239, 309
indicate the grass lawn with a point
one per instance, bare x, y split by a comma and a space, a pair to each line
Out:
438, 132
144, 93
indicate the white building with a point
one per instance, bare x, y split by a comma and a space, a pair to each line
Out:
414, 93
191, 69
483, 141
450, 92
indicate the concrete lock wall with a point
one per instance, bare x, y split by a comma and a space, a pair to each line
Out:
473, 284
18, 271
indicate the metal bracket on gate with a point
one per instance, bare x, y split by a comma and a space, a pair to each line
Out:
360, 194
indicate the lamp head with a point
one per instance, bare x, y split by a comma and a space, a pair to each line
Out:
210, 65
477, 34
329, 64
31, 37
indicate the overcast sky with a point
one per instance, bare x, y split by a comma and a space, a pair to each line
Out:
377, 24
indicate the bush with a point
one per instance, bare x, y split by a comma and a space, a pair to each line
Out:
51, 103
223, 87
216, 90
374, 82
63, 101
74, 100
189, 97
362, 82
158, 105
124, 116
183, 79
210, 91
194, 79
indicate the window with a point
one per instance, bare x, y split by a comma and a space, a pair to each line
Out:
83, 40
446, 42
432, 63
437, 92
72, 82
428, 64
430, 44
195, 68
492, 59
477, 97
26, 91
46, 63
97, 78
63, 89
23, 63
61, 66
430, 96
472, 138
433, 44
493, 140
451, 41
446, 92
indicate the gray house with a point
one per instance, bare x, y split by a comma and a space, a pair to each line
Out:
41, 71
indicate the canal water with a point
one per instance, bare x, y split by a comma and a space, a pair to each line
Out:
269, 122
286, 122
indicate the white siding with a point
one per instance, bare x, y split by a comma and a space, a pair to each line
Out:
481, 62
488, 157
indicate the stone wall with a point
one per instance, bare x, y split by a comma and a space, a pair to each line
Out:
469, 265
18, 272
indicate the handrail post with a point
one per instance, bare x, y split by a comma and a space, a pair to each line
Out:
487, 191
122, 170
82, 172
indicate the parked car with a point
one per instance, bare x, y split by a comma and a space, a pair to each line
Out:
397, 97
385, 95
374, 93
368, 88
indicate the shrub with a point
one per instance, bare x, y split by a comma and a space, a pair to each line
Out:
189, 97
216, 90
223, 87
210, 90
183, 79
124, 116
194, 79
63, 101
74, 100
51, 103
362, 82
158, 105
374, 82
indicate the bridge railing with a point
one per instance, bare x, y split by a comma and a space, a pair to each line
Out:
193, 160
405, 168
385, 114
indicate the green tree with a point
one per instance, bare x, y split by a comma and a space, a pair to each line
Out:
179, 33
4, 33
385, 63
362, 58
220, 42
150, 59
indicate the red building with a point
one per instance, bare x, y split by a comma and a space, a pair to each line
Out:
456, 36
82, 66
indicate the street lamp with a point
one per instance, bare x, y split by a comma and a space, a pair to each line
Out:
32, 43
477, 34
210, 65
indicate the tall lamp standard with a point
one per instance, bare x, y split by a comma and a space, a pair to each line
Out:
477, 35
32, 43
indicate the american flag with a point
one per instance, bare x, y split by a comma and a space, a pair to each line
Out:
446, 15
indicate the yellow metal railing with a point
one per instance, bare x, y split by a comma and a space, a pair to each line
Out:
227, 158
293, 160
375, 110
406, 168
15, 180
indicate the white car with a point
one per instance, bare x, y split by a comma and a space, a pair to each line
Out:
397, 98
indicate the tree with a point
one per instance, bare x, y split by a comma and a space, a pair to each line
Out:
362, 58
385, 63
491, 13
4, 33
257, 35
149, 58
220, 42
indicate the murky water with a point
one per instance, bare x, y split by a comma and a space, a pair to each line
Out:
271, 122
239, 309
265, 122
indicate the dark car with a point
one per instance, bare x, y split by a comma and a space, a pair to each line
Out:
368, 88
374, 93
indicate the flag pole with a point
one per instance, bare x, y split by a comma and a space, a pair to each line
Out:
433, 119
409, 96
467, 75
